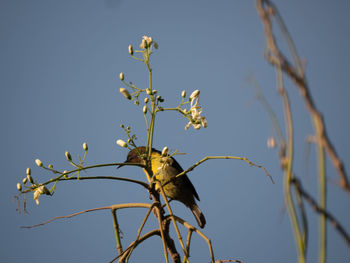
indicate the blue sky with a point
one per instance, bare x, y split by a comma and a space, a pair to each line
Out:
59, 68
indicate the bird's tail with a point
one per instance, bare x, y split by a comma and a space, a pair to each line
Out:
198, 215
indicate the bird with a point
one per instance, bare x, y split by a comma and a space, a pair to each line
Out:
165, 168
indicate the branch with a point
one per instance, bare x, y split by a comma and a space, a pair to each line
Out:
194, 229
267, 10
334, 222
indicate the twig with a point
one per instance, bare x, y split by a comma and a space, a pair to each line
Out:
120, 206
140, 229
220, 157
228, 260
136, 242
194, 229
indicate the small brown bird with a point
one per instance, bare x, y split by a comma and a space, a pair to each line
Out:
180, 189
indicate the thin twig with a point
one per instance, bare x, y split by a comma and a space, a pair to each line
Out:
219, 157
135, 243
119, 206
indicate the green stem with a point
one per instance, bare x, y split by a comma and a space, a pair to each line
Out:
322, 199
116, 232
288, 169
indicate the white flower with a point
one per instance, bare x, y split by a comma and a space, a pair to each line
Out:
197, 121
147, 42
121, 143
39, 191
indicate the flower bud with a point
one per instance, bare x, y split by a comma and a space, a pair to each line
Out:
121, 76
194, 94
144, 109
121, 143
125, 93
43, 190
146, 100
155, 44
143, 44
154, 92
68, 156
19, 187
131, 50
50, 166
148, 40
165, 151
30, 179
183, 93
204, 122
85, 146
25, 179
148, 91
38, 163
28, 171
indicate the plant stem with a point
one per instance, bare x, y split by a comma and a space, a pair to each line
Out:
116, 232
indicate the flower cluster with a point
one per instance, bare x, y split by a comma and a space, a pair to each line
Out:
196, 120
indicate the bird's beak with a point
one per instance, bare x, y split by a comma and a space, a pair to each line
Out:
121, 165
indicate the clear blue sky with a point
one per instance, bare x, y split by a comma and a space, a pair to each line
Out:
59, 67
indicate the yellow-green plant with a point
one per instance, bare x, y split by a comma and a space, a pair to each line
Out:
152, 101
